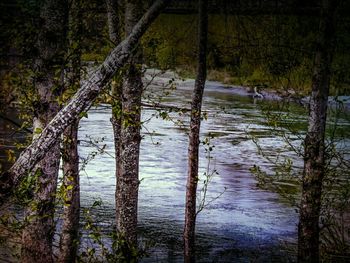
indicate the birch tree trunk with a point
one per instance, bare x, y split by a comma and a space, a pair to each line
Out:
193, 149
39, 227
79, 103
314, 143
130, 138
69, 239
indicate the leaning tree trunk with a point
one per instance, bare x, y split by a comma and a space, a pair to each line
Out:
69, 239
39, 227
314, 144
130, 138
193, 149
80, 102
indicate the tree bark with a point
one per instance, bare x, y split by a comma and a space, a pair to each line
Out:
130, 138
39, 227
193, 149
69, 239
80, 102
115, 28
114, 21
314, 143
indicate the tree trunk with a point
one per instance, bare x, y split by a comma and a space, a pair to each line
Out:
39, 227
115, 28
69, 239
130, 138
193, 149
314, 145
114, 21
80, 102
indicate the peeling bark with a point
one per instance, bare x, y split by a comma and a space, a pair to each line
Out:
314, 144
193, 149
81, 101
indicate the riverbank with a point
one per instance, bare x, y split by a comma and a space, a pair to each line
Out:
245, 224
164, 78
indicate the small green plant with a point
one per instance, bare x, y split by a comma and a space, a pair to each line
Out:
105, 247
208, 175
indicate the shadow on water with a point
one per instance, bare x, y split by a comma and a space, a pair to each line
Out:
212, 246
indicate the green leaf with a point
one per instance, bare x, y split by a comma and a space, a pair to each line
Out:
83, 114
38, 130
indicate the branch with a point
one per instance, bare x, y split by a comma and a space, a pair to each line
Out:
15, 123
163, 106
80, 102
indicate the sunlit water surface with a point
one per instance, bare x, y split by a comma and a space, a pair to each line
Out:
243, 224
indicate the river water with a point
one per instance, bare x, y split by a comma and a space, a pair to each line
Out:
243, 224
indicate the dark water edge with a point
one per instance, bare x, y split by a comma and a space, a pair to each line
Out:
161, 241
213, 247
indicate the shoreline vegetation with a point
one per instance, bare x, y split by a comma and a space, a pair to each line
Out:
241, 52
154, 76
162, 77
